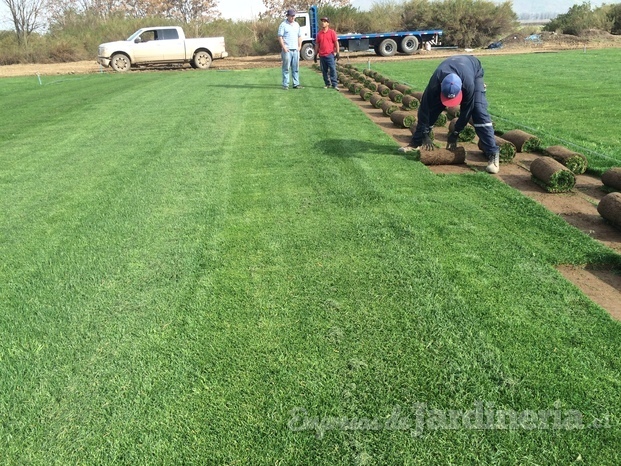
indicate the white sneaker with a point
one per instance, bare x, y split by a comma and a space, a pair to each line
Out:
493, 163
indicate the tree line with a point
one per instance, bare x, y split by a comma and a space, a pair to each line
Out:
70, 30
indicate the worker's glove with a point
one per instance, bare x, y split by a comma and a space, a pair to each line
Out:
315, 58
427, 142
451, 141
337, 56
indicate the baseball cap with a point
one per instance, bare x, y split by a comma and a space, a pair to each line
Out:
290, 12
325, 19
450, 94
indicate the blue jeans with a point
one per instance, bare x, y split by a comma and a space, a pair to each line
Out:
290, 61
328, 69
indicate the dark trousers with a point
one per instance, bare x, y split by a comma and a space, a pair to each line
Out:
328, 69
480, 118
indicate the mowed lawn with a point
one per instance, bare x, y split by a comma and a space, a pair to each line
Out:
200, 268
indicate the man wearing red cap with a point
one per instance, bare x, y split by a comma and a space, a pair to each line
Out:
457, 81
327, 48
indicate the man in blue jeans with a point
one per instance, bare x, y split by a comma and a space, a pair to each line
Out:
290, 38
327, 48
458, 80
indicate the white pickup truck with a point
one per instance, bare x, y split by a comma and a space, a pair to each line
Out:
160, 45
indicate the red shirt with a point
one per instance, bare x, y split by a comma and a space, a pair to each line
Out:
327, 42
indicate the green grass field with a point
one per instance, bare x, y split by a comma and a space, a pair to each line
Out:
200, 268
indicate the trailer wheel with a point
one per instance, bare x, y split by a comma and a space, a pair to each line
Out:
307, 52
409, 45
387, 48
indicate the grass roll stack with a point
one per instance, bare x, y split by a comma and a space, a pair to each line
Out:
612, 178
523, 141
610, 208
551, 175
403, 119
443, 156
575, 161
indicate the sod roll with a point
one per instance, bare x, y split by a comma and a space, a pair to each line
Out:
452, 112
403, 119
365, 94
410, 102
575, 161
390, 83
523, 141
551, 175
404, 89
507, 149
441, 121
612, 178
377, 99
610, 208
395, 96
466, 135
388, 106
418, 95
383, 89
443, 156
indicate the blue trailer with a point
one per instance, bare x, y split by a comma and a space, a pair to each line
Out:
385, 44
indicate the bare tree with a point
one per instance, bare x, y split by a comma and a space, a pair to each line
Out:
279, 7
25, 15
201, 11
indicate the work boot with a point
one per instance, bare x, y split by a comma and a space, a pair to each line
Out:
493, 163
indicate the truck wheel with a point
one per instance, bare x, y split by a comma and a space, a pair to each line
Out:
202, 60
387, 48
409, 45
120, 62
307, 52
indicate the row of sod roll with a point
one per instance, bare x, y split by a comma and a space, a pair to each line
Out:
554, 169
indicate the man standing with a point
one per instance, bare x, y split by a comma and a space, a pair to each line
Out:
290, 38
327, 47
457, 81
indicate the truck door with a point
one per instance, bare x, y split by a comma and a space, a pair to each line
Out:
173, 48
147, 48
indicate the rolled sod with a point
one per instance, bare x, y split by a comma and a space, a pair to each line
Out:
418, 95
523, 141
466, 135
551, 175
383, 89
575, 161
390, 83
452, 112
610, 208
377, 99
395, 96
441, 121
403, 119
507, 149
612, 178
443, 156
388, 107
365, 93
410, 102
404, 89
